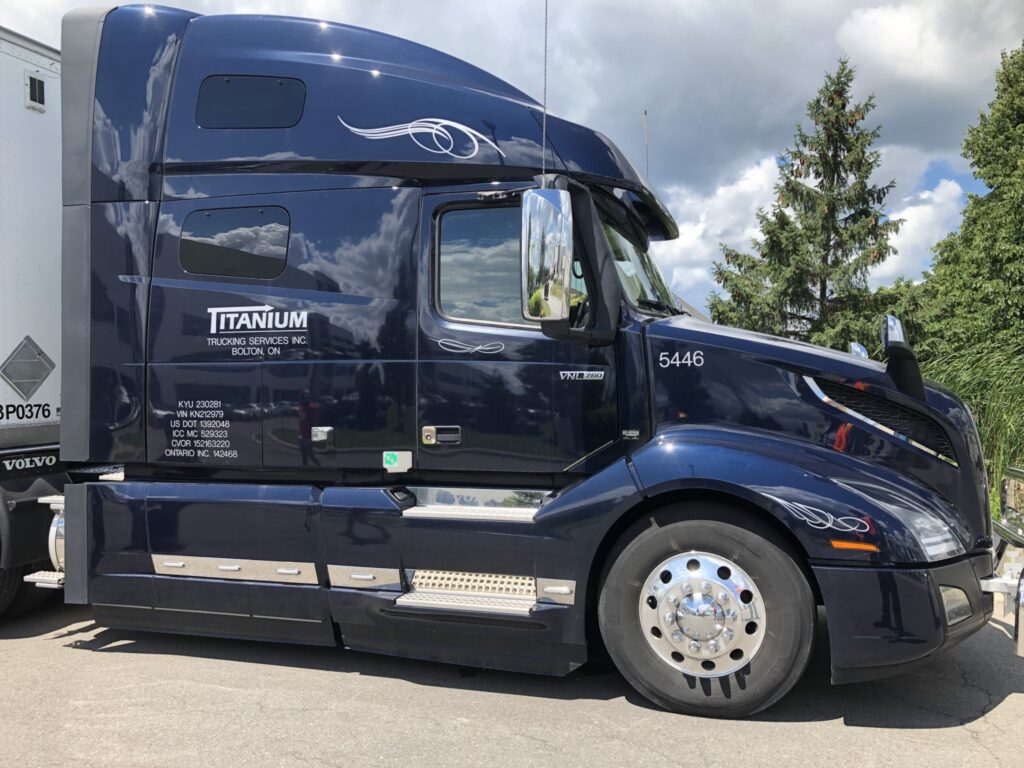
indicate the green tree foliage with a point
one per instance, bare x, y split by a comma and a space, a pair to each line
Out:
972, 311
807, 276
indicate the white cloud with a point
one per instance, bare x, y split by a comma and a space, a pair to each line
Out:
938, 43
928, 217
907, 38
906, 165
727, 216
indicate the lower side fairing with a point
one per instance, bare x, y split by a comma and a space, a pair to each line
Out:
280, 563
288, 563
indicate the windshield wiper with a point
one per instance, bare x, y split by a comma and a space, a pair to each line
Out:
658, 304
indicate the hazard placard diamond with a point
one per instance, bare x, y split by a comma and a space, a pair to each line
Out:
26, 368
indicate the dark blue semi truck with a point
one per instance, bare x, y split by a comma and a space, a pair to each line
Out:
388, 365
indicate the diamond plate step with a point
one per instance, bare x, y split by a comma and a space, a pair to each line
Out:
469, 583
474, 603
46, 579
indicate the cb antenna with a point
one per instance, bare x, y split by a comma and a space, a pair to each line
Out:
647, 152
544, 119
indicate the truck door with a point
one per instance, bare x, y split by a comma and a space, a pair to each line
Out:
212, 319
495, 394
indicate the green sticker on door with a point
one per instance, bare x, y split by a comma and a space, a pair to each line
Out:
397, 461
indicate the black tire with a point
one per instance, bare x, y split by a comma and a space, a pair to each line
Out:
751, 545
10, 586
29, 596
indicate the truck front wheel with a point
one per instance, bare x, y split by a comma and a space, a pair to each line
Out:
708, 616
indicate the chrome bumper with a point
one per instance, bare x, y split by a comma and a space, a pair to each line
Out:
1009, 532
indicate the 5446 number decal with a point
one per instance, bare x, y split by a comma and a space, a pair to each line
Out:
694, 359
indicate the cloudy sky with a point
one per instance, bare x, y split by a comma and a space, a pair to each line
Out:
724, 83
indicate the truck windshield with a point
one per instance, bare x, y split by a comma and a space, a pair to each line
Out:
641, 280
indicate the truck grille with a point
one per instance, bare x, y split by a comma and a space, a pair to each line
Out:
903, 421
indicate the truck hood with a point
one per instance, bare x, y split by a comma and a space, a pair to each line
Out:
793, 354
747, 380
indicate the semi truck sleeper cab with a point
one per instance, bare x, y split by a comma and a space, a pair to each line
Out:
376, 380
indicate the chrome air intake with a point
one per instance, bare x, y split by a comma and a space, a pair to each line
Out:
921, 431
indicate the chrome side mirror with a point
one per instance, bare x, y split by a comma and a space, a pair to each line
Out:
547, 254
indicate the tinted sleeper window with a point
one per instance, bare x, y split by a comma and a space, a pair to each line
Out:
242, 101
236, 242
479, 265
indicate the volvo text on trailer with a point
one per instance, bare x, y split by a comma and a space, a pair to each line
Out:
376, 381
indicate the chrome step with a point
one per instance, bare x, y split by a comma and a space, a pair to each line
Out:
476, 603
56, 503
473, 513
46, 579
489, 505
469, 583
468, 591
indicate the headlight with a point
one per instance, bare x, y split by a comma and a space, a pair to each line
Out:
935, 538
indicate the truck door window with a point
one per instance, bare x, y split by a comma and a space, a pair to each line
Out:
236, 242
479, 275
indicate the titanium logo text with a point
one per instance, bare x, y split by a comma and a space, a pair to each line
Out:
255, 319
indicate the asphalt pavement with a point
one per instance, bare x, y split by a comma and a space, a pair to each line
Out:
74, 694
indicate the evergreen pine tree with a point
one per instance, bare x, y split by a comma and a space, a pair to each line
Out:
807, 277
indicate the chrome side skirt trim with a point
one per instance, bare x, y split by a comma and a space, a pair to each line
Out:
861, 417
475, 514
437, 601
490, 505
235, 569
560, 591
358, 577
206, 613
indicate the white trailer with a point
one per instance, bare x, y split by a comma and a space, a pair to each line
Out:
30, 330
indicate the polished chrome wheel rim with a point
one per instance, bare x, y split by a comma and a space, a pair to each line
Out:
702, 614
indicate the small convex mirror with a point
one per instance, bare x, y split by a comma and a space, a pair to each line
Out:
892, 332
547, 254
858, 350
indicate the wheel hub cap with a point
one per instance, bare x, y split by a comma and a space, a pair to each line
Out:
702, 614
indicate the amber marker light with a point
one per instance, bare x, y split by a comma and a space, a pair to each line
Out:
857, 546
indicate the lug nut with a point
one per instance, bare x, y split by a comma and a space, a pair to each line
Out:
694, 646
731, 614
728, 634
670, 616
673, 599
705, 588
713, 646
677, 636
688, 589
723, 597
